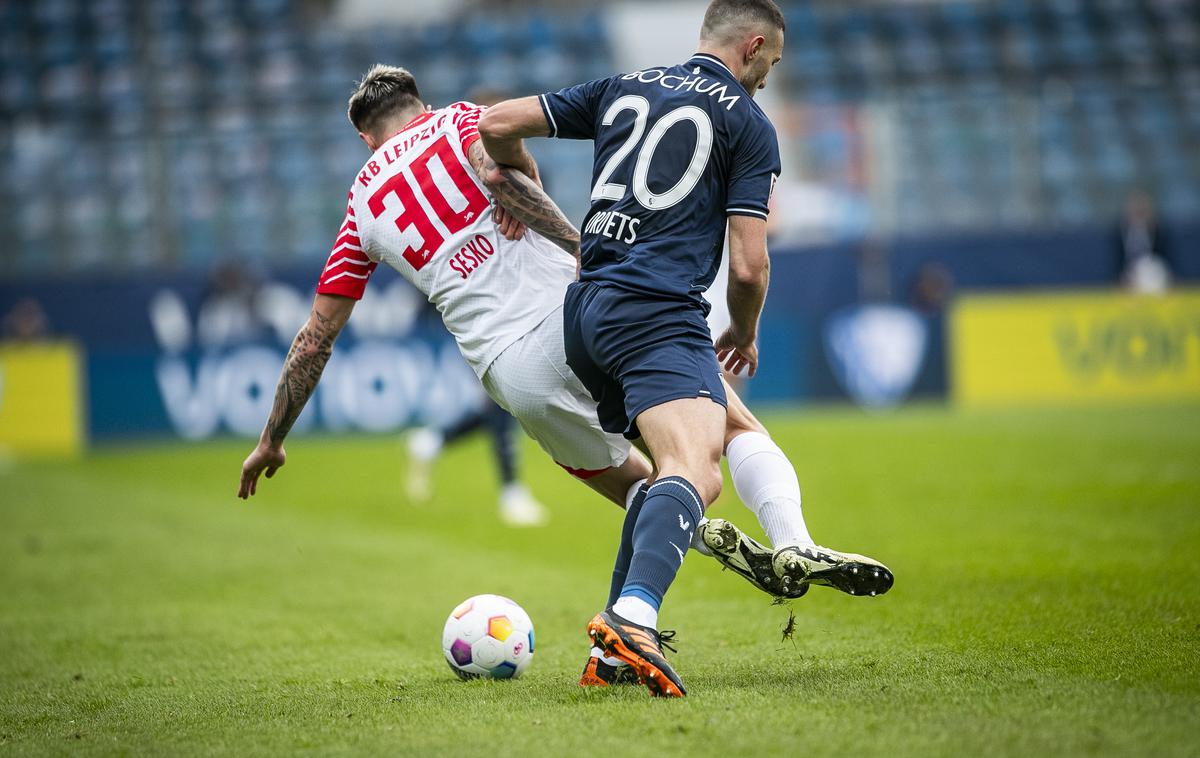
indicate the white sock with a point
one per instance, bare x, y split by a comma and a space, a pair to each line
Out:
632, 493
766, 483
636, 610
698, 542
513, 491
598, 653
425, 444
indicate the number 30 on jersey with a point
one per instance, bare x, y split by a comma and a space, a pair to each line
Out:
414, 220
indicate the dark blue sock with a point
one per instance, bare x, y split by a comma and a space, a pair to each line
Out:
661, 537
503, 427
625, 550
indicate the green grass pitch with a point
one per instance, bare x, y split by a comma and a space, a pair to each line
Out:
1047, 601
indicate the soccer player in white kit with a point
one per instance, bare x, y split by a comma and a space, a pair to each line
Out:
426, 204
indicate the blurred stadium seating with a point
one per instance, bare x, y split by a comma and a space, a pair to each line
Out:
165, 133
136, 133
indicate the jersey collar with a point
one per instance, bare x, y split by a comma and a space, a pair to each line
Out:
712, 59
417, 120
715, 61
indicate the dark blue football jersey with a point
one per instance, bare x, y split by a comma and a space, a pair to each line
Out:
677, 151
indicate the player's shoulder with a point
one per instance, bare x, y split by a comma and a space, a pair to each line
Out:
364, 181
462, 116
463, 107
753, 126
356, 210
461, 112
760, 119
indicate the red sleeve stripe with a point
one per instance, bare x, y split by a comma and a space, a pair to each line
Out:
348, 268
347, 260
347, 240
339, 279
467, 122
340, 274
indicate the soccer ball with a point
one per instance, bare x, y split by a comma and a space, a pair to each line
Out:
490, 636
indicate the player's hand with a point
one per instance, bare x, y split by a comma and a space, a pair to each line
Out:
510, 227
736, 353
264, 458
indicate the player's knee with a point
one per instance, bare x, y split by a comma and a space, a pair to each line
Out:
737, 424
704, 475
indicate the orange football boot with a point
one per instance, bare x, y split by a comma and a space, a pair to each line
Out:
640, 647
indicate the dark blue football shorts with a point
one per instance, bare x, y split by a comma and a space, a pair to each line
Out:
634, 352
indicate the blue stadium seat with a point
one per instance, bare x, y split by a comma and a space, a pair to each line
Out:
1105, 92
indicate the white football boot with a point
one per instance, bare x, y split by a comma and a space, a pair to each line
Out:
812, 564
747, 557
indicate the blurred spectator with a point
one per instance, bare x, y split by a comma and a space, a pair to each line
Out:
229, 313
932, 288
1142, 261
930, 294
874, 276
26, 322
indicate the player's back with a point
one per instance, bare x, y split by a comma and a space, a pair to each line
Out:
418, 206
677, 150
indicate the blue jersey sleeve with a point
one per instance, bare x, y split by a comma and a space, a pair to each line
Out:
756, 166
572, 112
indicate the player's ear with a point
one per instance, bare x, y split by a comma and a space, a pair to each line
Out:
370, 142
755, 47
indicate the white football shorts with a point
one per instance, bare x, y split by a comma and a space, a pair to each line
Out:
531, 380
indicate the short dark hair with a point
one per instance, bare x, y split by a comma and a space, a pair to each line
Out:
381, 92
724, 16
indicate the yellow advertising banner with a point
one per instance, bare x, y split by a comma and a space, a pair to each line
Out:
1075, 348
41, 399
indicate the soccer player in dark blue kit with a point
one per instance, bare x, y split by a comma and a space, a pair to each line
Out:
681, 153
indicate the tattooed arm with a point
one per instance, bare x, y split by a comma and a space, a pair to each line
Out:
524, 199
301, 371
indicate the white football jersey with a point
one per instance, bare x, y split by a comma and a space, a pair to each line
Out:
418, 206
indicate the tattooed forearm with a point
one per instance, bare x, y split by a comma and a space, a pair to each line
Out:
526, 201
301, 371
531, 206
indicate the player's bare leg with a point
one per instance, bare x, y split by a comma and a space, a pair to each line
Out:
615, 483
720, 539
625, 486
766, 483
684, 437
